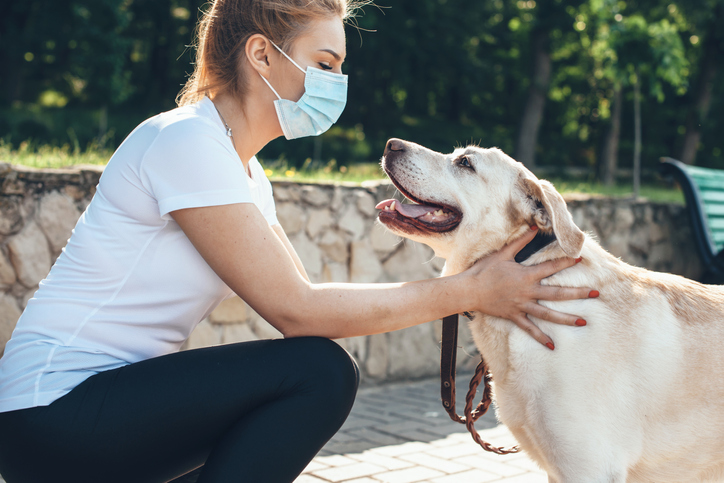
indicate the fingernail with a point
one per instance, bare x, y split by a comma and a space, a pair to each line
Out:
550, 345
593, 294
579, 259
534, 227
580, 322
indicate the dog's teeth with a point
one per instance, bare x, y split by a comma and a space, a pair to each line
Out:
387, 208
392, 206
439, 213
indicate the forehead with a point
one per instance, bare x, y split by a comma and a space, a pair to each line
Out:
321, 34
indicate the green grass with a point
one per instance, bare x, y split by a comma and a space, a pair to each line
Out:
52, 156
45, 156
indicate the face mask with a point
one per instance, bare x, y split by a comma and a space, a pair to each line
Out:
325, 95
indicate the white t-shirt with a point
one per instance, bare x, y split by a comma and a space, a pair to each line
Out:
129, 285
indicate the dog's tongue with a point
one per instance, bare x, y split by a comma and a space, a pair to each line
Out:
410, 211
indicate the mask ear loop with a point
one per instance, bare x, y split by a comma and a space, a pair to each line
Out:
270, 87
290, 59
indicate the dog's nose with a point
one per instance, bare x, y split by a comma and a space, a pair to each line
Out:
394, 145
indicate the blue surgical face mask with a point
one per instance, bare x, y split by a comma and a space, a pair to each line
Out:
325, 95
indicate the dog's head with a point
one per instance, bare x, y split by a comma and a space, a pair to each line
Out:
470, 203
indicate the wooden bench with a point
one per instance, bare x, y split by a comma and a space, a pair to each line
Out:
704, 194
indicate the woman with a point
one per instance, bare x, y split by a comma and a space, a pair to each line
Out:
92, 386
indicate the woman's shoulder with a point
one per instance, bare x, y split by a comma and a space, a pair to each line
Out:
188, 122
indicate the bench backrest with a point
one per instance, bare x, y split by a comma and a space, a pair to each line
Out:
710, 183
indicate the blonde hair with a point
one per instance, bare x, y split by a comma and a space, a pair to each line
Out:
225, 27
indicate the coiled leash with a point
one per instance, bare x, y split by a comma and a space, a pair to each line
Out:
447, 388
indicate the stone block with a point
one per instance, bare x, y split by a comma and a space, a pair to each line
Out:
335, 272
57, 217
383, 240
29, 255
415, 352
317, 195
9, 315
291, 217
353, 222
233, 333
334, 246
378, 356
11, 220
204, 335
7, 272
363, 265
411, 262
310, 255
285, 191
366, 204
319, 220
231, 311
263, 329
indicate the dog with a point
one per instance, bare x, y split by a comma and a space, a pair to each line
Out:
635, 396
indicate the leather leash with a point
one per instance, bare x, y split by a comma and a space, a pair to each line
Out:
447, 388
448, 359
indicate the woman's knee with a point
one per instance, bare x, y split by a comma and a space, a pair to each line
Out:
330, 369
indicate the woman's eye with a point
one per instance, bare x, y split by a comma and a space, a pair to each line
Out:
464, 161
325, 66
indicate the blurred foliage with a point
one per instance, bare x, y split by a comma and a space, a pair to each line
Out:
439, 72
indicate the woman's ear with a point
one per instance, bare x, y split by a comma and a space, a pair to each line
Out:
258, 49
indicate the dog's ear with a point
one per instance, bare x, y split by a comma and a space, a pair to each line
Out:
551, 214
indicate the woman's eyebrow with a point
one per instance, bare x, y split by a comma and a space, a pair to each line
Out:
334, 54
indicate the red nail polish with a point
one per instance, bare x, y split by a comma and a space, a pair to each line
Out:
534, 227
579, 259
593, 294
550, 345
580, 322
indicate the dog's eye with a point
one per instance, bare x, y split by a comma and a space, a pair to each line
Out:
464, 162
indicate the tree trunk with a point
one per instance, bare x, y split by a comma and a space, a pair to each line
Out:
637, 136
700, 108
537, 93
609, 156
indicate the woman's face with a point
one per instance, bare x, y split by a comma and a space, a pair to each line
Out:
322, 46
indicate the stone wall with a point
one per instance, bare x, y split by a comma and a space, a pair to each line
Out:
334, 231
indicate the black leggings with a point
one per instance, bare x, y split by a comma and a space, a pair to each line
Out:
253, 412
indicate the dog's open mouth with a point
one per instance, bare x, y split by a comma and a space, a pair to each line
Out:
419, 217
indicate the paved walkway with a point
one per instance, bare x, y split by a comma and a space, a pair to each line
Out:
399, 433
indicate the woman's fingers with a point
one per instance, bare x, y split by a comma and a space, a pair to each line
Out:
546, 292
512, 249
545, 313
546, 269
525, 323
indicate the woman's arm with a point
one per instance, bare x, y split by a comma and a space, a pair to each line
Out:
241, 247
290, 249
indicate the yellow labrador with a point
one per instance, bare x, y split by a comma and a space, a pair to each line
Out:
638, 394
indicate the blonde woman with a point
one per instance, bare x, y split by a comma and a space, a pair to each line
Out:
92, 386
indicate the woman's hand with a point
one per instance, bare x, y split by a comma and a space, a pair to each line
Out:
516, 289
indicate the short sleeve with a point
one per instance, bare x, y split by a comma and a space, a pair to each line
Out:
189, 166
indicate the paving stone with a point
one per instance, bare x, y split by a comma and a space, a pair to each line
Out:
527, 478
439, 464
348, 472
382, 460
498, 467
307, 478
471, 476
409, 475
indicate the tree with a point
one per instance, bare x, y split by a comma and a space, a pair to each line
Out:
709, 15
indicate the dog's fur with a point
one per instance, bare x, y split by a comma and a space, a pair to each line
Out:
635, 396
